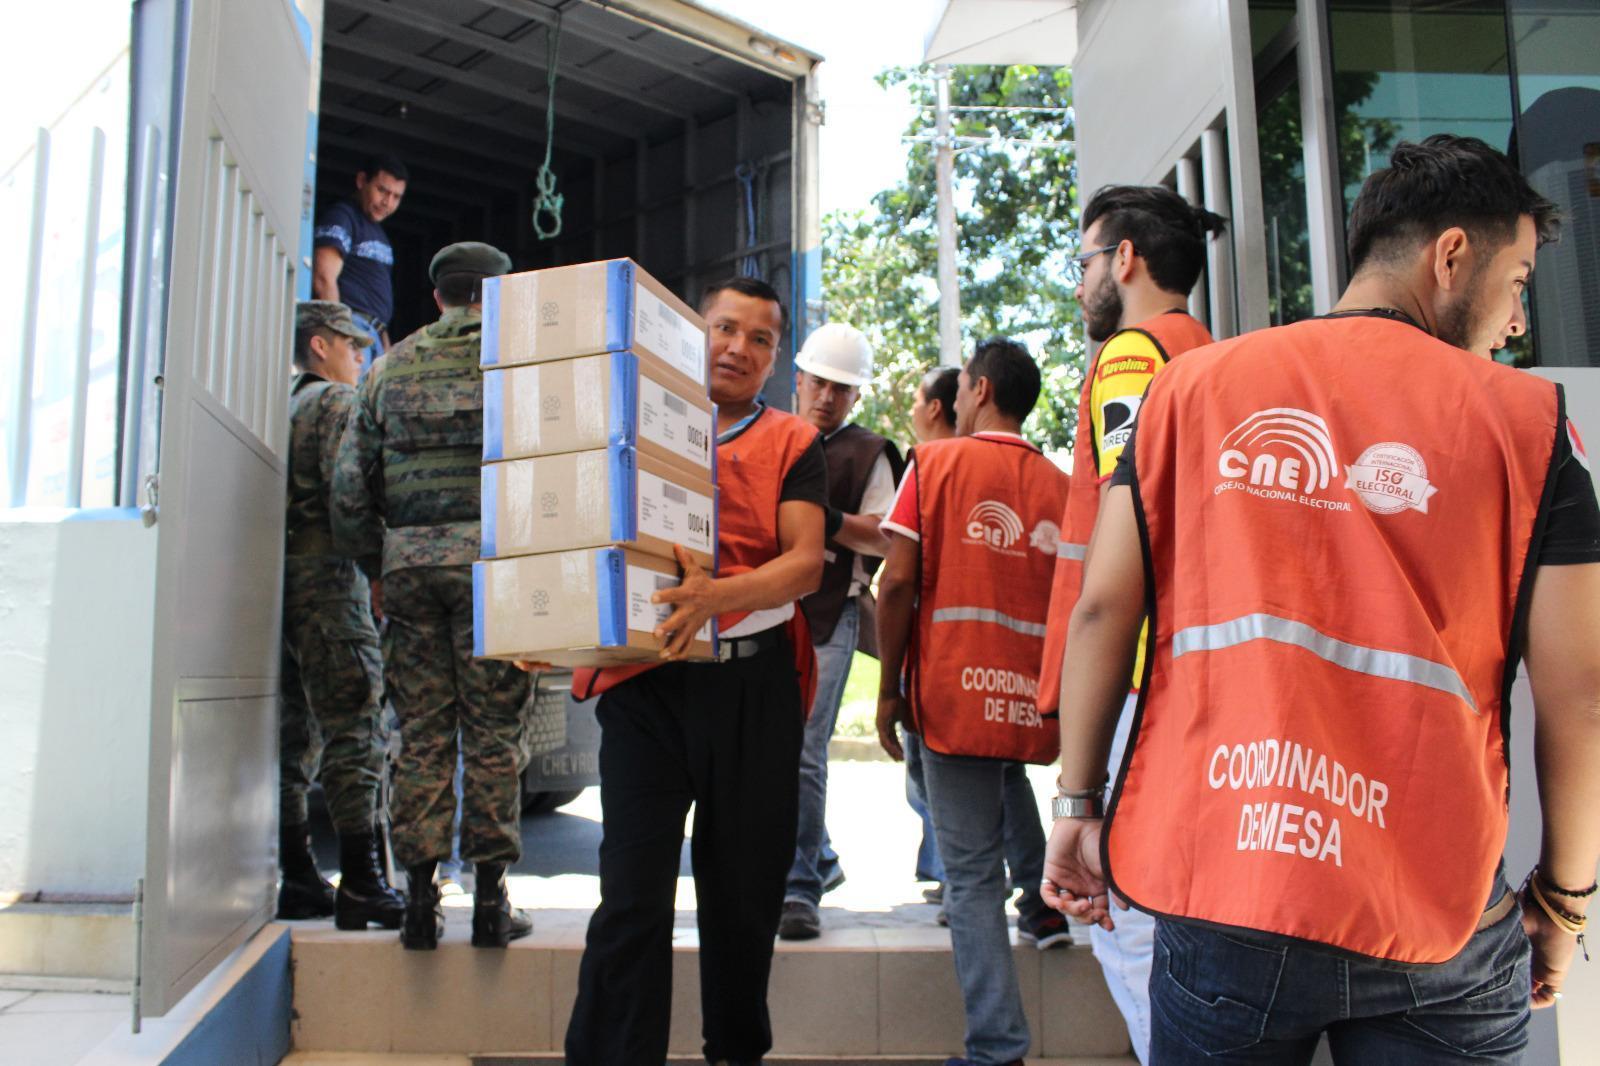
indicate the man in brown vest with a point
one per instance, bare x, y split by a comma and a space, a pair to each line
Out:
863, 469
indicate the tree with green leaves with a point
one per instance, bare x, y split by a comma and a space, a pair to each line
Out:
1016, 210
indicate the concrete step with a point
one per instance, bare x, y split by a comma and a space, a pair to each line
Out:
376, 1058
68, 946
380, 1058
856, 994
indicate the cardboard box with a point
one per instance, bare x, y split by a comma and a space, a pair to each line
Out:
594, 402
578, 608
552, 503
611, 306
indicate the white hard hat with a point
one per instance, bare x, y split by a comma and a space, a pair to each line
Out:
837, 352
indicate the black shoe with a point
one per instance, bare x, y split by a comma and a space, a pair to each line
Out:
424, 920
495, 922
834, 879
800, 921
305, 893
934, 894
364, 893
1045, 929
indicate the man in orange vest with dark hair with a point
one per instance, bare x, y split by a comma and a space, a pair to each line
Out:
724, 736
1144, 248
965, 588
1351, 529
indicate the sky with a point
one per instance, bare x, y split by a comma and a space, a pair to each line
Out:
861, 151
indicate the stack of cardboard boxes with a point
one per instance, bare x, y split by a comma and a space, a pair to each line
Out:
599, 449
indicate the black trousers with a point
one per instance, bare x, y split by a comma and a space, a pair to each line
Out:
725, 737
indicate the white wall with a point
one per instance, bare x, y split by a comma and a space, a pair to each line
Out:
1148, 78
77, 593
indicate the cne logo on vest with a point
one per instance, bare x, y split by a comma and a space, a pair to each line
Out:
995, 526
1281, 453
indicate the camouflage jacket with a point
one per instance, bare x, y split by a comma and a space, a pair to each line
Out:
406, 484
312, 571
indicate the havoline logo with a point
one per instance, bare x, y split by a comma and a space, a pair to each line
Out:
994, 524
1281, 453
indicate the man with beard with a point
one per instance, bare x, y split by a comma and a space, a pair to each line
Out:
1144, 247
1350, 529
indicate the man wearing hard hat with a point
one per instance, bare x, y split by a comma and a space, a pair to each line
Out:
863, 469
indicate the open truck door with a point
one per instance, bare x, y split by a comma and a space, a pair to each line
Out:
220, 126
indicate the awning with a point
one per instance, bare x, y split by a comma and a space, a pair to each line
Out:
1003, 32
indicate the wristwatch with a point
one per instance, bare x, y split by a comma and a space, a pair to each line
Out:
1081, 805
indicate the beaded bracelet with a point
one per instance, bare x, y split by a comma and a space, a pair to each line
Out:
1558, 890
1563, 919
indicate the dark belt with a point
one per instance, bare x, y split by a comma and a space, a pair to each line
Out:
377, 325
731, 648
1498, 910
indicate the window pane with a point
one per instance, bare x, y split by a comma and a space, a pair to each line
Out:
1406, 69
1558, 135
1283, 193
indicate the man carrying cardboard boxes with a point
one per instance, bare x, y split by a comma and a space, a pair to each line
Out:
723, 735
405, 506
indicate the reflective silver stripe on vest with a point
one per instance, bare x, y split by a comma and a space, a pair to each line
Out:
1071, 551
984, 614
1395, 665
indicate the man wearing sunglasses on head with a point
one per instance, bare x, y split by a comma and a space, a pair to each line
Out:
1144, 247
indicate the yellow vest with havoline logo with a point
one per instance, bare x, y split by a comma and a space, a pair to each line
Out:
1338, 518
987, 510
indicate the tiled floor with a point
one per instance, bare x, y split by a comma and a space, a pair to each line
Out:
56, 1028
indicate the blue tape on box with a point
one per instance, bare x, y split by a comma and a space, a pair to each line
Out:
489, 341
488, 505
619, 305
624, 424
479, 605
494, 414
624, 466
611, 594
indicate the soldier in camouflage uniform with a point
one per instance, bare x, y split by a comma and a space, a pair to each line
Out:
405, 505
331, 674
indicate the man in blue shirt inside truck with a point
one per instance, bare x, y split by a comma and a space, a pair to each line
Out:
353, 262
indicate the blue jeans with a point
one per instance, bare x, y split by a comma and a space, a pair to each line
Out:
375, 349
451, 867
929, 866
966, 797
1240, 998
814, 858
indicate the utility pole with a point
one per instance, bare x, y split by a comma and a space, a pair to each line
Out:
945, 208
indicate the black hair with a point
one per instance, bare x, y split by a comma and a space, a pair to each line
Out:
1012, 374
386, 162
459, 289
1444, 181
1166, 230
940, 384
754, 287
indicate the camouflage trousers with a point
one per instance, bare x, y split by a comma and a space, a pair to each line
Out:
331, 684
444, 696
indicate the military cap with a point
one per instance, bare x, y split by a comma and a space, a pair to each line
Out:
325, 314
469, 257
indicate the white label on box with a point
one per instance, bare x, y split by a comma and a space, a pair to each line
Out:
643, 615
675, 513
674, 423
668, 334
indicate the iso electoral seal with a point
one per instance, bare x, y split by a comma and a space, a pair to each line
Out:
1390, 478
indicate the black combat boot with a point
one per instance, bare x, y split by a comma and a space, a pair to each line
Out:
305, 893
424, 921
495, 923
364, 893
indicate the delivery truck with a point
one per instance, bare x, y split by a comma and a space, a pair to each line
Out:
678, 137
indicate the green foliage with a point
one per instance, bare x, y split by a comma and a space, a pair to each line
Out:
1017, 208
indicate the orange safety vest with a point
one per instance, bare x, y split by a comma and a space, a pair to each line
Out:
987, 510
750, 472
1173, 333
1337, 519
